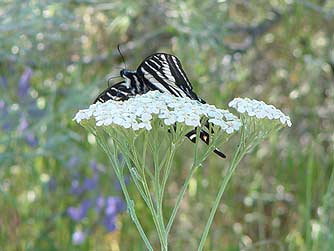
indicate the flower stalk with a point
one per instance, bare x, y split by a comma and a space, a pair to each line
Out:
142, 135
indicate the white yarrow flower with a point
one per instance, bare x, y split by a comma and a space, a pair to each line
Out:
139, 111
259, 109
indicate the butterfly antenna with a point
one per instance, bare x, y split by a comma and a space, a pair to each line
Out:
120, 53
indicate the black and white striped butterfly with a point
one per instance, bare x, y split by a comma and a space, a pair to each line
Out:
162, 72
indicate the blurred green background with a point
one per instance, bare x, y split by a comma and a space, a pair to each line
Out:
55, 182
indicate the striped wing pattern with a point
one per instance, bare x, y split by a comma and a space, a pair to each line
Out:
118, 92
162, 72
204, 136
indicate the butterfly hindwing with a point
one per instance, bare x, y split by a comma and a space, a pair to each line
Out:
119, 92
205, 137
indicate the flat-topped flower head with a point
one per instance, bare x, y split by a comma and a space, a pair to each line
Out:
138, 112
259, 109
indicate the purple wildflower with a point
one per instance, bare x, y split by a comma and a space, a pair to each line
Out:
31, 139
24, 83
100, 203
52, 184
7, 126
76, 188
90, 183
106, 207
2, 105
73, 162
80, 212
6, 123
23, 125
114, 206
3, 82
93, 165
78, 237
110, 223
3, 109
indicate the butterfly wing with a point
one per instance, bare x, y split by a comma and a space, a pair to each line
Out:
164, 72
119, 92
160, 71
205, 137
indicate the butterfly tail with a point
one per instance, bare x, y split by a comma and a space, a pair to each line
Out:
204, 136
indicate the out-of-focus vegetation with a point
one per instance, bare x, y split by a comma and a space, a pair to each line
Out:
55, 183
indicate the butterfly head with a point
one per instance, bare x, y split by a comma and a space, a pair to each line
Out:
126, 73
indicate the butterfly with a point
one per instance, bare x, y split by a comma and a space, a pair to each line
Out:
162, 72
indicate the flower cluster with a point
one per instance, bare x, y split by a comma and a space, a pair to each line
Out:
259, 109
138, 112
108, 206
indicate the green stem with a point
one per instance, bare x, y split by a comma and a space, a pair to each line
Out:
150, 204
197, 162
129, 202
179, 198
168, 167
184, 188
241, 151
236, 159
133, 215
158, 166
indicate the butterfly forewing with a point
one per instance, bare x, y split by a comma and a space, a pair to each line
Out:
164, 72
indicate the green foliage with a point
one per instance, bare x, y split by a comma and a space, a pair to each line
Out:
277, 51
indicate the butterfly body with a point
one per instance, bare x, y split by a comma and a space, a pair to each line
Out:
162, 72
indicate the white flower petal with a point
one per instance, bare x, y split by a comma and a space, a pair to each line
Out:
259, 109
137, 112
146, 117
